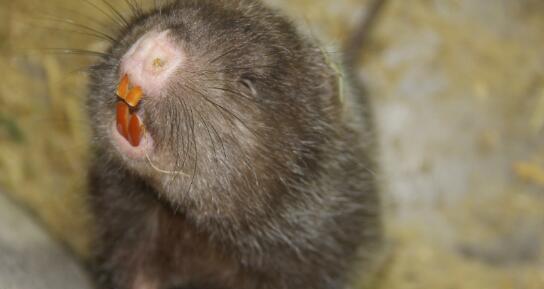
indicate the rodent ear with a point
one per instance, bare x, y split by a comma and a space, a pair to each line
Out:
248, 85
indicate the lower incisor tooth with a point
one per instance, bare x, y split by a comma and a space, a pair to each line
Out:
134, 131
122, 112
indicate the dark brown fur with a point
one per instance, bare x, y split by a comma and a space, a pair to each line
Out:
277, 189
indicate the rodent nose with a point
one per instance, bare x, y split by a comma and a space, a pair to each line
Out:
151, 61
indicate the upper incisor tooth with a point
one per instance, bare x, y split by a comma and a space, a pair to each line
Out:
135, 96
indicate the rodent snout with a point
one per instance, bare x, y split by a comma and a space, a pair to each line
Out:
144, 70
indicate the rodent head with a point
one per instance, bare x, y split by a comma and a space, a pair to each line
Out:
243, 112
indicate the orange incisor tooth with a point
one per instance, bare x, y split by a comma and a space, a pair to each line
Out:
134, 96
122, 89
135, 131
122, 118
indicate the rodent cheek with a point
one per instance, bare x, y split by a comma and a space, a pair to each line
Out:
152, 61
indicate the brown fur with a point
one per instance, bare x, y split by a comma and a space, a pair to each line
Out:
277, 191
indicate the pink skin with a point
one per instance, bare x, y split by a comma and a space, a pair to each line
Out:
149, 63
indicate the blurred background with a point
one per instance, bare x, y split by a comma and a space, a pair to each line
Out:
458, 90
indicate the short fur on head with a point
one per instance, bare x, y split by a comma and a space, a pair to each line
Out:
255, 156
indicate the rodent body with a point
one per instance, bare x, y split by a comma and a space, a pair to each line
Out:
252, 171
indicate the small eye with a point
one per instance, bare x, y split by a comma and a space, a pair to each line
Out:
248, 84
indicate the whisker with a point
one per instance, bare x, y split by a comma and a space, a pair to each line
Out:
195, 167
208, 127
236, 48
76, 32
79, 15
156, 168
76, 51
66, 75
207, 130
235, 93
136, 10
186, 140
158, 6
220, 108
108, 15
177, 170
89, 29
80, 70
232, 69
174, 118
170, 136
185, 114
117, 13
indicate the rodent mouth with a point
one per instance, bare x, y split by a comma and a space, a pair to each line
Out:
128, 123
128, 132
